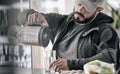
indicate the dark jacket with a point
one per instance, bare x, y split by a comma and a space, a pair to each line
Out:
98, 41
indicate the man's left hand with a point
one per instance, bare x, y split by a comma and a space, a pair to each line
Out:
59, 64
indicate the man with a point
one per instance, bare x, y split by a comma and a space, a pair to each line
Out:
80, 37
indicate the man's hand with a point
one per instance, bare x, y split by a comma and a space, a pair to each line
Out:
37, 18
59, 64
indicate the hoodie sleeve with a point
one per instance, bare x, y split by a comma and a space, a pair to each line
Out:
107, 50
53, 19
106, 55
22, 17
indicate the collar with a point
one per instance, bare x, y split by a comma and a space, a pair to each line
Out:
89, 31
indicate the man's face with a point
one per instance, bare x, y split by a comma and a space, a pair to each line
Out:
81, 15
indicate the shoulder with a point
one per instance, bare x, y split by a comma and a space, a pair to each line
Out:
106, 28
106, 31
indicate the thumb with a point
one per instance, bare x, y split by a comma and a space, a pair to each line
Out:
44, 23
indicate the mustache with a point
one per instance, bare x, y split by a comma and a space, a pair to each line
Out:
79, 14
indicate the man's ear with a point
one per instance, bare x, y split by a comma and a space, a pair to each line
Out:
99, 9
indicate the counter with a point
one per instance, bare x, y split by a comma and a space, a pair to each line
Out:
10, 70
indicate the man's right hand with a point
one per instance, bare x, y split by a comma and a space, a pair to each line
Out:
37, 18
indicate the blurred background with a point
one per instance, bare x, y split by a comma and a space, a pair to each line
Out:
28, 56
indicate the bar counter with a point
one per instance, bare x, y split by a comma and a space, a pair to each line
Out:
10, 70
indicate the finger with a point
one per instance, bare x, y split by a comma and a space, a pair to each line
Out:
54, 67
57, 69
58, 60
42, 20
45, 23
33, 18
58, 66
54, 62
29, 19
37, 18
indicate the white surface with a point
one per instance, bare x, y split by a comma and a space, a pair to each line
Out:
4, 40
114, 4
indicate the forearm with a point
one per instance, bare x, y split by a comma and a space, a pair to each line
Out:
105, 55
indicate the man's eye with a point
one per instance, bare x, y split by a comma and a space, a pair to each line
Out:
79, 4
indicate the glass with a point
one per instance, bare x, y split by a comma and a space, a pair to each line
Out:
53, 58
48, 60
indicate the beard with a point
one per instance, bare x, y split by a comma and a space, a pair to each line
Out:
86, 20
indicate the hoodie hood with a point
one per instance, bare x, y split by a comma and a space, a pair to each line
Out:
103, 18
